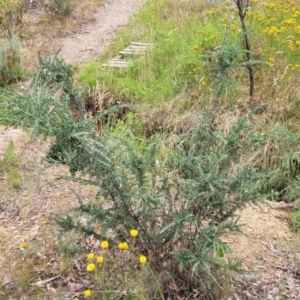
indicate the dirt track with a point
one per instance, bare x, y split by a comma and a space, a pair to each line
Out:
91, 39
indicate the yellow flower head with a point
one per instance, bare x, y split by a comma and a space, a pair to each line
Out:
91, 256
196, 47
134, 233
90, 267
24, 245
100, 259
123, 246
104, 244
87, 293
143, 259
43, 222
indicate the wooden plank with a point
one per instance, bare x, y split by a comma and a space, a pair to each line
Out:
117, 64
135, 48
118, 57
130, 51
142, 44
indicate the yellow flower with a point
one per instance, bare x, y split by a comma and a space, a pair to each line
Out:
123, 246
91, 256
134, 233
43, 222
104, 244
90, 267
100, 259
24, 245
143, 259
87, 293
196, 47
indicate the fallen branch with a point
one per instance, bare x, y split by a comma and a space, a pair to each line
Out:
43, 282
285, 205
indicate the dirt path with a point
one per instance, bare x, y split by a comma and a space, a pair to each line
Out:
91, 39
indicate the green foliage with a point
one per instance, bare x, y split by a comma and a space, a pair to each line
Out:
167, 69
281, 159
189, 49
10, 69
9, 166
55, 72
295, 219
181, 206
130, 128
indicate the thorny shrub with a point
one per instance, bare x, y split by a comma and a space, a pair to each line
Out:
182, 206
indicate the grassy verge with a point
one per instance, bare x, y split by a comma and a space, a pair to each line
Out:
187, 36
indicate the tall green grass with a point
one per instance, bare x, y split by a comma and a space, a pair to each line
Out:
174, 63
184, 32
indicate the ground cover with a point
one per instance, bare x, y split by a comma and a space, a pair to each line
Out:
126, 263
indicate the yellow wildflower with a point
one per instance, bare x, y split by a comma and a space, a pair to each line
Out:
196, 47
100, 259
104, 244
143, 259
43, 222
134, 233
91, 256
24, 245
90, 267
87, 293
123, 246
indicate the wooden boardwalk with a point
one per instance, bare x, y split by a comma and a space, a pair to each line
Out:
123, 59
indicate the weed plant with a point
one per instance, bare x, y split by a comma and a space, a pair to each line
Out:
295, 219
181, 206
10, 69
55, 72
181, 203
58, 8
9, 166
11, 12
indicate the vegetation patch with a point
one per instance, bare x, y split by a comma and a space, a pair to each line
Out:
173, 147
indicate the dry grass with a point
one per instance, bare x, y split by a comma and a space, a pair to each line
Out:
26, 216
